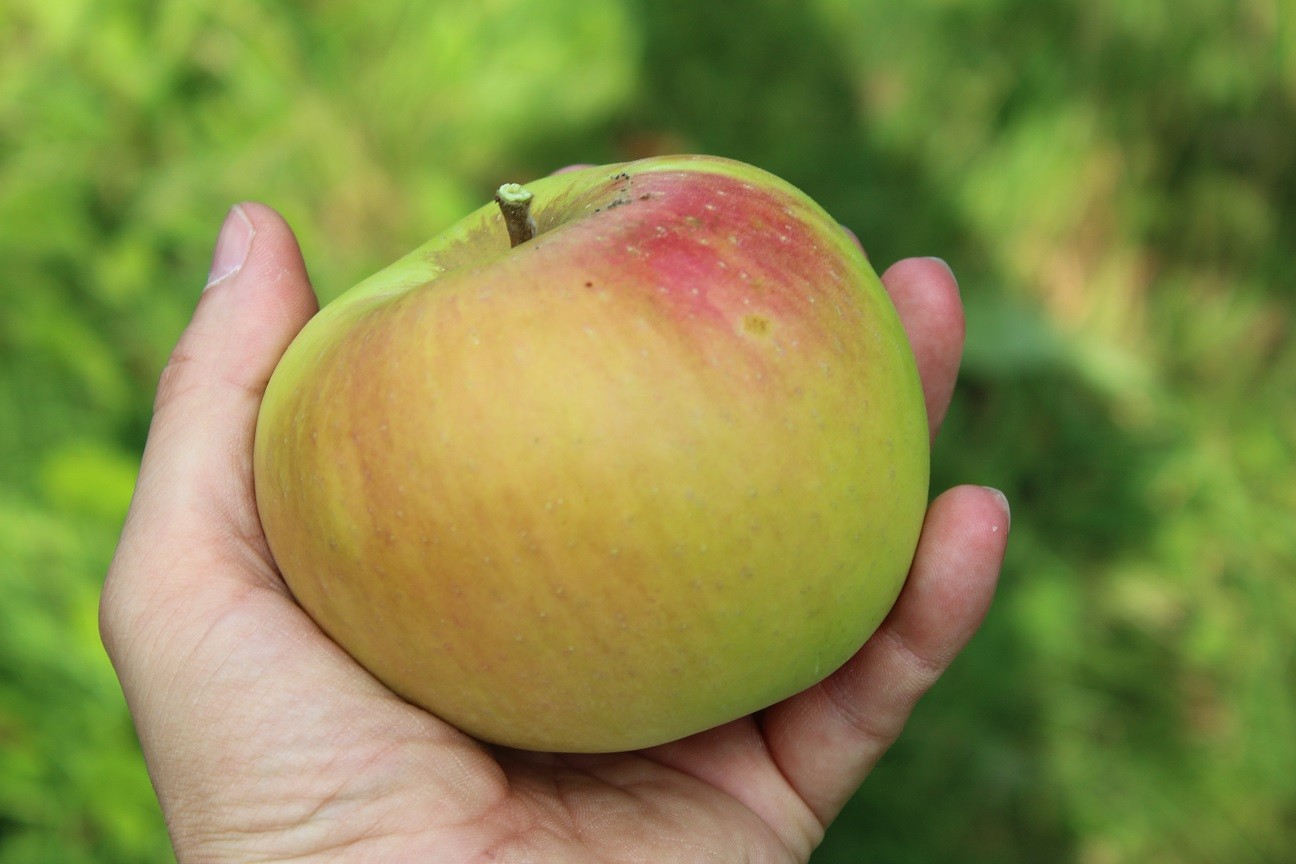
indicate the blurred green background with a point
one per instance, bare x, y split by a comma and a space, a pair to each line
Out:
1114, 183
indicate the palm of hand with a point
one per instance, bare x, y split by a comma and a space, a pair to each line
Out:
290, 751
267, 742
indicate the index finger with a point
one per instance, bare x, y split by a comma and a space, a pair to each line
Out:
926, 295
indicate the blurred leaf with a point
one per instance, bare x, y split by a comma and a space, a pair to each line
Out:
72, 786
1005, 339
86, 478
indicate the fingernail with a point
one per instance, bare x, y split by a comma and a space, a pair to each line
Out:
1002, 499
231, 246
942, 262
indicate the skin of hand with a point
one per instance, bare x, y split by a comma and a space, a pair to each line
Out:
266, 742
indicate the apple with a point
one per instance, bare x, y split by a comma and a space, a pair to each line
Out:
630, 453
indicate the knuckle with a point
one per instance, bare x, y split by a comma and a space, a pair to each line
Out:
176, 377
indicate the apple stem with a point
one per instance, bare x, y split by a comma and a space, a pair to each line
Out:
515, 203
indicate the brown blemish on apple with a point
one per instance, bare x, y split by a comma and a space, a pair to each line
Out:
757, 325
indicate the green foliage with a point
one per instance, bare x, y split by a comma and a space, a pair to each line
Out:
1112, 181
72, 786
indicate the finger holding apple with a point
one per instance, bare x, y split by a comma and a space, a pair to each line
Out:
654, 463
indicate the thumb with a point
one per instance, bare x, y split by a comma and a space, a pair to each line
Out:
193, 500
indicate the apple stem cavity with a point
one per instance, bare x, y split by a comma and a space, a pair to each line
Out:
515, 203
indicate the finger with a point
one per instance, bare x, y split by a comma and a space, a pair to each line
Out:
826, 739
926, 295
194, 490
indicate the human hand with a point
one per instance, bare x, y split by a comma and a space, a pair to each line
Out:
265, 741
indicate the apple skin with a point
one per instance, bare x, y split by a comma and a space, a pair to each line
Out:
657, 468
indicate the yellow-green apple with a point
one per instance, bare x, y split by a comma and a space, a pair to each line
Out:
644, 456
